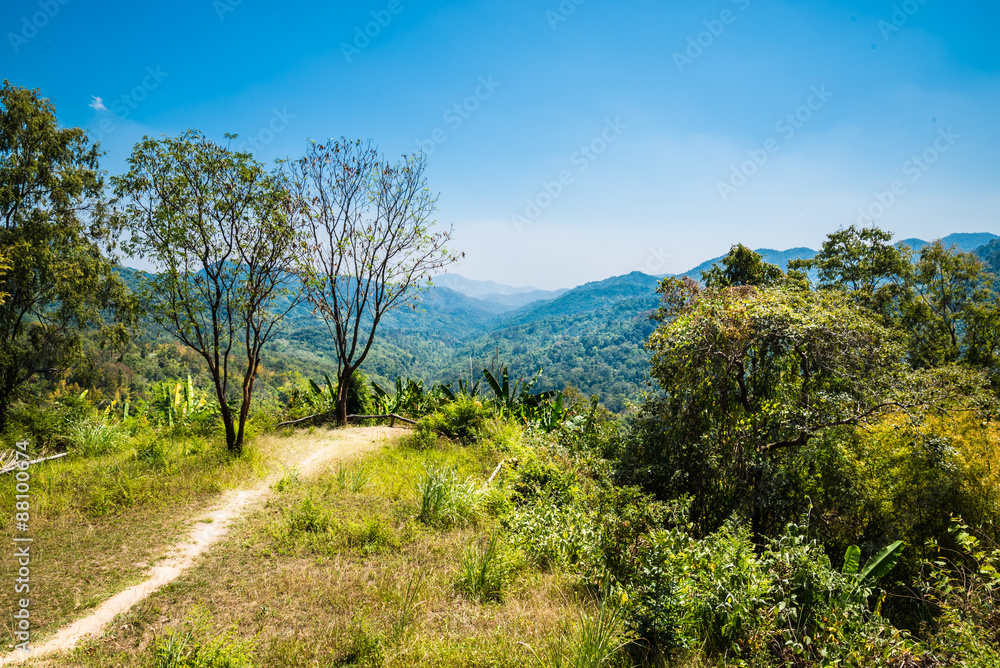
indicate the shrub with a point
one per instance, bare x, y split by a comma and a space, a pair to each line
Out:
422, 438
964, 586
556, 536
537, 478
501, 435
462, 418
360, 400
371, 537
783, 606
308, 518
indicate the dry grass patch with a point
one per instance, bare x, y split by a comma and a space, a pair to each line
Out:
99, 523
317, 597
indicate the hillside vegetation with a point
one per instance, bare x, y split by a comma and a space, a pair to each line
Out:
809, 479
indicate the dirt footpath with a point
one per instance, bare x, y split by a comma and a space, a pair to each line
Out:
308, 454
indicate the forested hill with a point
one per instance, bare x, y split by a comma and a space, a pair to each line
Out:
590, 337
965, 241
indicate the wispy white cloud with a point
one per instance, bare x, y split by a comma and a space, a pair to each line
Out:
97, 104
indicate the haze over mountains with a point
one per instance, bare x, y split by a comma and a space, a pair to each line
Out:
590, 336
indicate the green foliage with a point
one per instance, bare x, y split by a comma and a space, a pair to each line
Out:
539, 478
952, 297
371, 536
364, 650
944, 298
746, 375
308, 517
411, 398
556, 536
462, 418
196, 646
865, 264
353, 478
963, 584
178, 403
741, 266
218, 225
360, 397
443, 500
595, 642
485, 570
97, 436
55, 277
543, 409
783, 606
990, 255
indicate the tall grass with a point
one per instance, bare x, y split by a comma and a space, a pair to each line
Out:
97, 436
484, 571
596, 642
352, 478
444, 500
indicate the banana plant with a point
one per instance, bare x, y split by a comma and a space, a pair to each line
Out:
517, 399
178, 404
323, 398
551, 414
469, 389
874, 570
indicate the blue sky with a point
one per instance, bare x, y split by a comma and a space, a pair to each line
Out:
573, 140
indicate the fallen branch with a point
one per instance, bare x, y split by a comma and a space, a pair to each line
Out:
308, 417
7, 468
495, 471
392, 418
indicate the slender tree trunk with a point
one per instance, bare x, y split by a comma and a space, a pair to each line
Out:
248, 381
343, 387
232, 445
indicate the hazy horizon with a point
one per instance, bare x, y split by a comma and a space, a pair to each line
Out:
570, 141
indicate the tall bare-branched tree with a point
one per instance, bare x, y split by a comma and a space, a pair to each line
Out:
217, 226
371, 242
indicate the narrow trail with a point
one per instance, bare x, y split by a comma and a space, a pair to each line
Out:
209, 527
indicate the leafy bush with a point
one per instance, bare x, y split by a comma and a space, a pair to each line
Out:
556, 536
50, 424
964, 586
308, 517
539, 477
783, 606
422, 438
501, 435
371, 536
462, 418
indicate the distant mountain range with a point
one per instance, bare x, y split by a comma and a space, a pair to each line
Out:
590, 336
966, 241
489, 291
